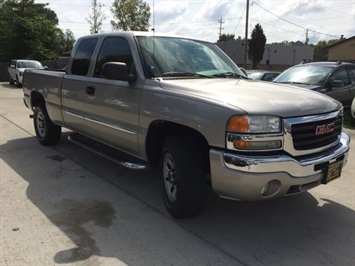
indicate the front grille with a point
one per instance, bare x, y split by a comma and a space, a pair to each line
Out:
305, 138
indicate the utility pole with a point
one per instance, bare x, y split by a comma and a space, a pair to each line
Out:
246, 36
306, 37
220, 27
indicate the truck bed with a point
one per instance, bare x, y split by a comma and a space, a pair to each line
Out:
48, 84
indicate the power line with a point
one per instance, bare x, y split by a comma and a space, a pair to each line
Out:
292, 22
239, 21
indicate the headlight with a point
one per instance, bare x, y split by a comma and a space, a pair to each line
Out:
254, 132
254, 124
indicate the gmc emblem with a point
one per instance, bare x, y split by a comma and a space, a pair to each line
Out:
324, 129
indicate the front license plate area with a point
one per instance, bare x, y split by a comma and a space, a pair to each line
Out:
332, 172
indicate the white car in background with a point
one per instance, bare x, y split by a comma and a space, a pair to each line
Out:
17, 67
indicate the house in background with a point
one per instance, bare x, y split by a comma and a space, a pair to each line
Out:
276, 56
343, 50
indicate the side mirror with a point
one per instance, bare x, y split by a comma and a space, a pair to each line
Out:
117, 71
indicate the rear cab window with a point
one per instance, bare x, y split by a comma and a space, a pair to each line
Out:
82, 57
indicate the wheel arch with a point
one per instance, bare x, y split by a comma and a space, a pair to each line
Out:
36, 99
160, 129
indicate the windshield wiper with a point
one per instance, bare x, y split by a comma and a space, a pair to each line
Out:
183, 74
228, 75
293, 82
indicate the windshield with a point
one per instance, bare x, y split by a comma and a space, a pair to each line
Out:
29, 64
167, 56
311, 75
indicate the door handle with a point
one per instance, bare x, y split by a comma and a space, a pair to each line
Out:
90, 90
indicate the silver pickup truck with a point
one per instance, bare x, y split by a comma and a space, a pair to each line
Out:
184, 106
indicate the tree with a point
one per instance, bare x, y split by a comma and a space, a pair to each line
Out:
67, 40
320, 51
256, 45
226, 37
96, 17
29, 30
130, 15
285, 43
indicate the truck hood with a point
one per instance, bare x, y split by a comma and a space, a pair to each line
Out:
305, 86
255, 97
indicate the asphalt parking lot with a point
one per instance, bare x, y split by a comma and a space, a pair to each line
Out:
65, 205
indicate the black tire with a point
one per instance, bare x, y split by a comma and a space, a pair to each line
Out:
18, 84
47, 133
10, 80
183, 177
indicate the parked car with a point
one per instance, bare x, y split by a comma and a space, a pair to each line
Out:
264, 75
17, 67
335, 79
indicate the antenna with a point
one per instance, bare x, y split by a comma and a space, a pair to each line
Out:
153, 17
153, 33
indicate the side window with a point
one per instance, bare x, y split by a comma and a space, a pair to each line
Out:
351, 71
341, 75
113, 49
269, 77
82, 57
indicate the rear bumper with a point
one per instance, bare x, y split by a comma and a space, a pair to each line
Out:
258, 178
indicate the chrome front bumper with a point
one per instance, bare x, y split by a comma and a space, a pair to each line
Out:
257, 178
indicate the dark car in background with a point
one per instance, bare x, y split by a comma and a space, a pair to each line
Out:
264, 75
335, 79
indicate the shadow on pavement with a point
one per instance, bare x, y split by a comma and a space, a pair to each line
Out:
9, 86
292, 230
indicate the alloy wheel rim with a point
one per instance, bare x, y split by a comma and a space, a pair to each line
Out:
169, 174
41, 125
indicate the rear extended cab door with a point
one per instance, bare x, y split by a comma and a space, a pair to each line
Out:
106, 110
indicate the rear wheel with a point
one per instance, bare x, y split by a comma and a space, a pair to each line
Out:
183, 177
10, 80
46, 132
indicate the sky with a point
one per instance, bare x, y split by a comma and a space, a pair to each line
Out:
281, 20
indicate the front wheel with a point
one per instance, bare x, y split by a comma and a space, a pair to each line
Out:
183, 177
18, 84
46, 132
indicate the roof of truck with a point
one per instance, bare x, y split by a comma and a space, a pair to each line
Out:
140, 33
